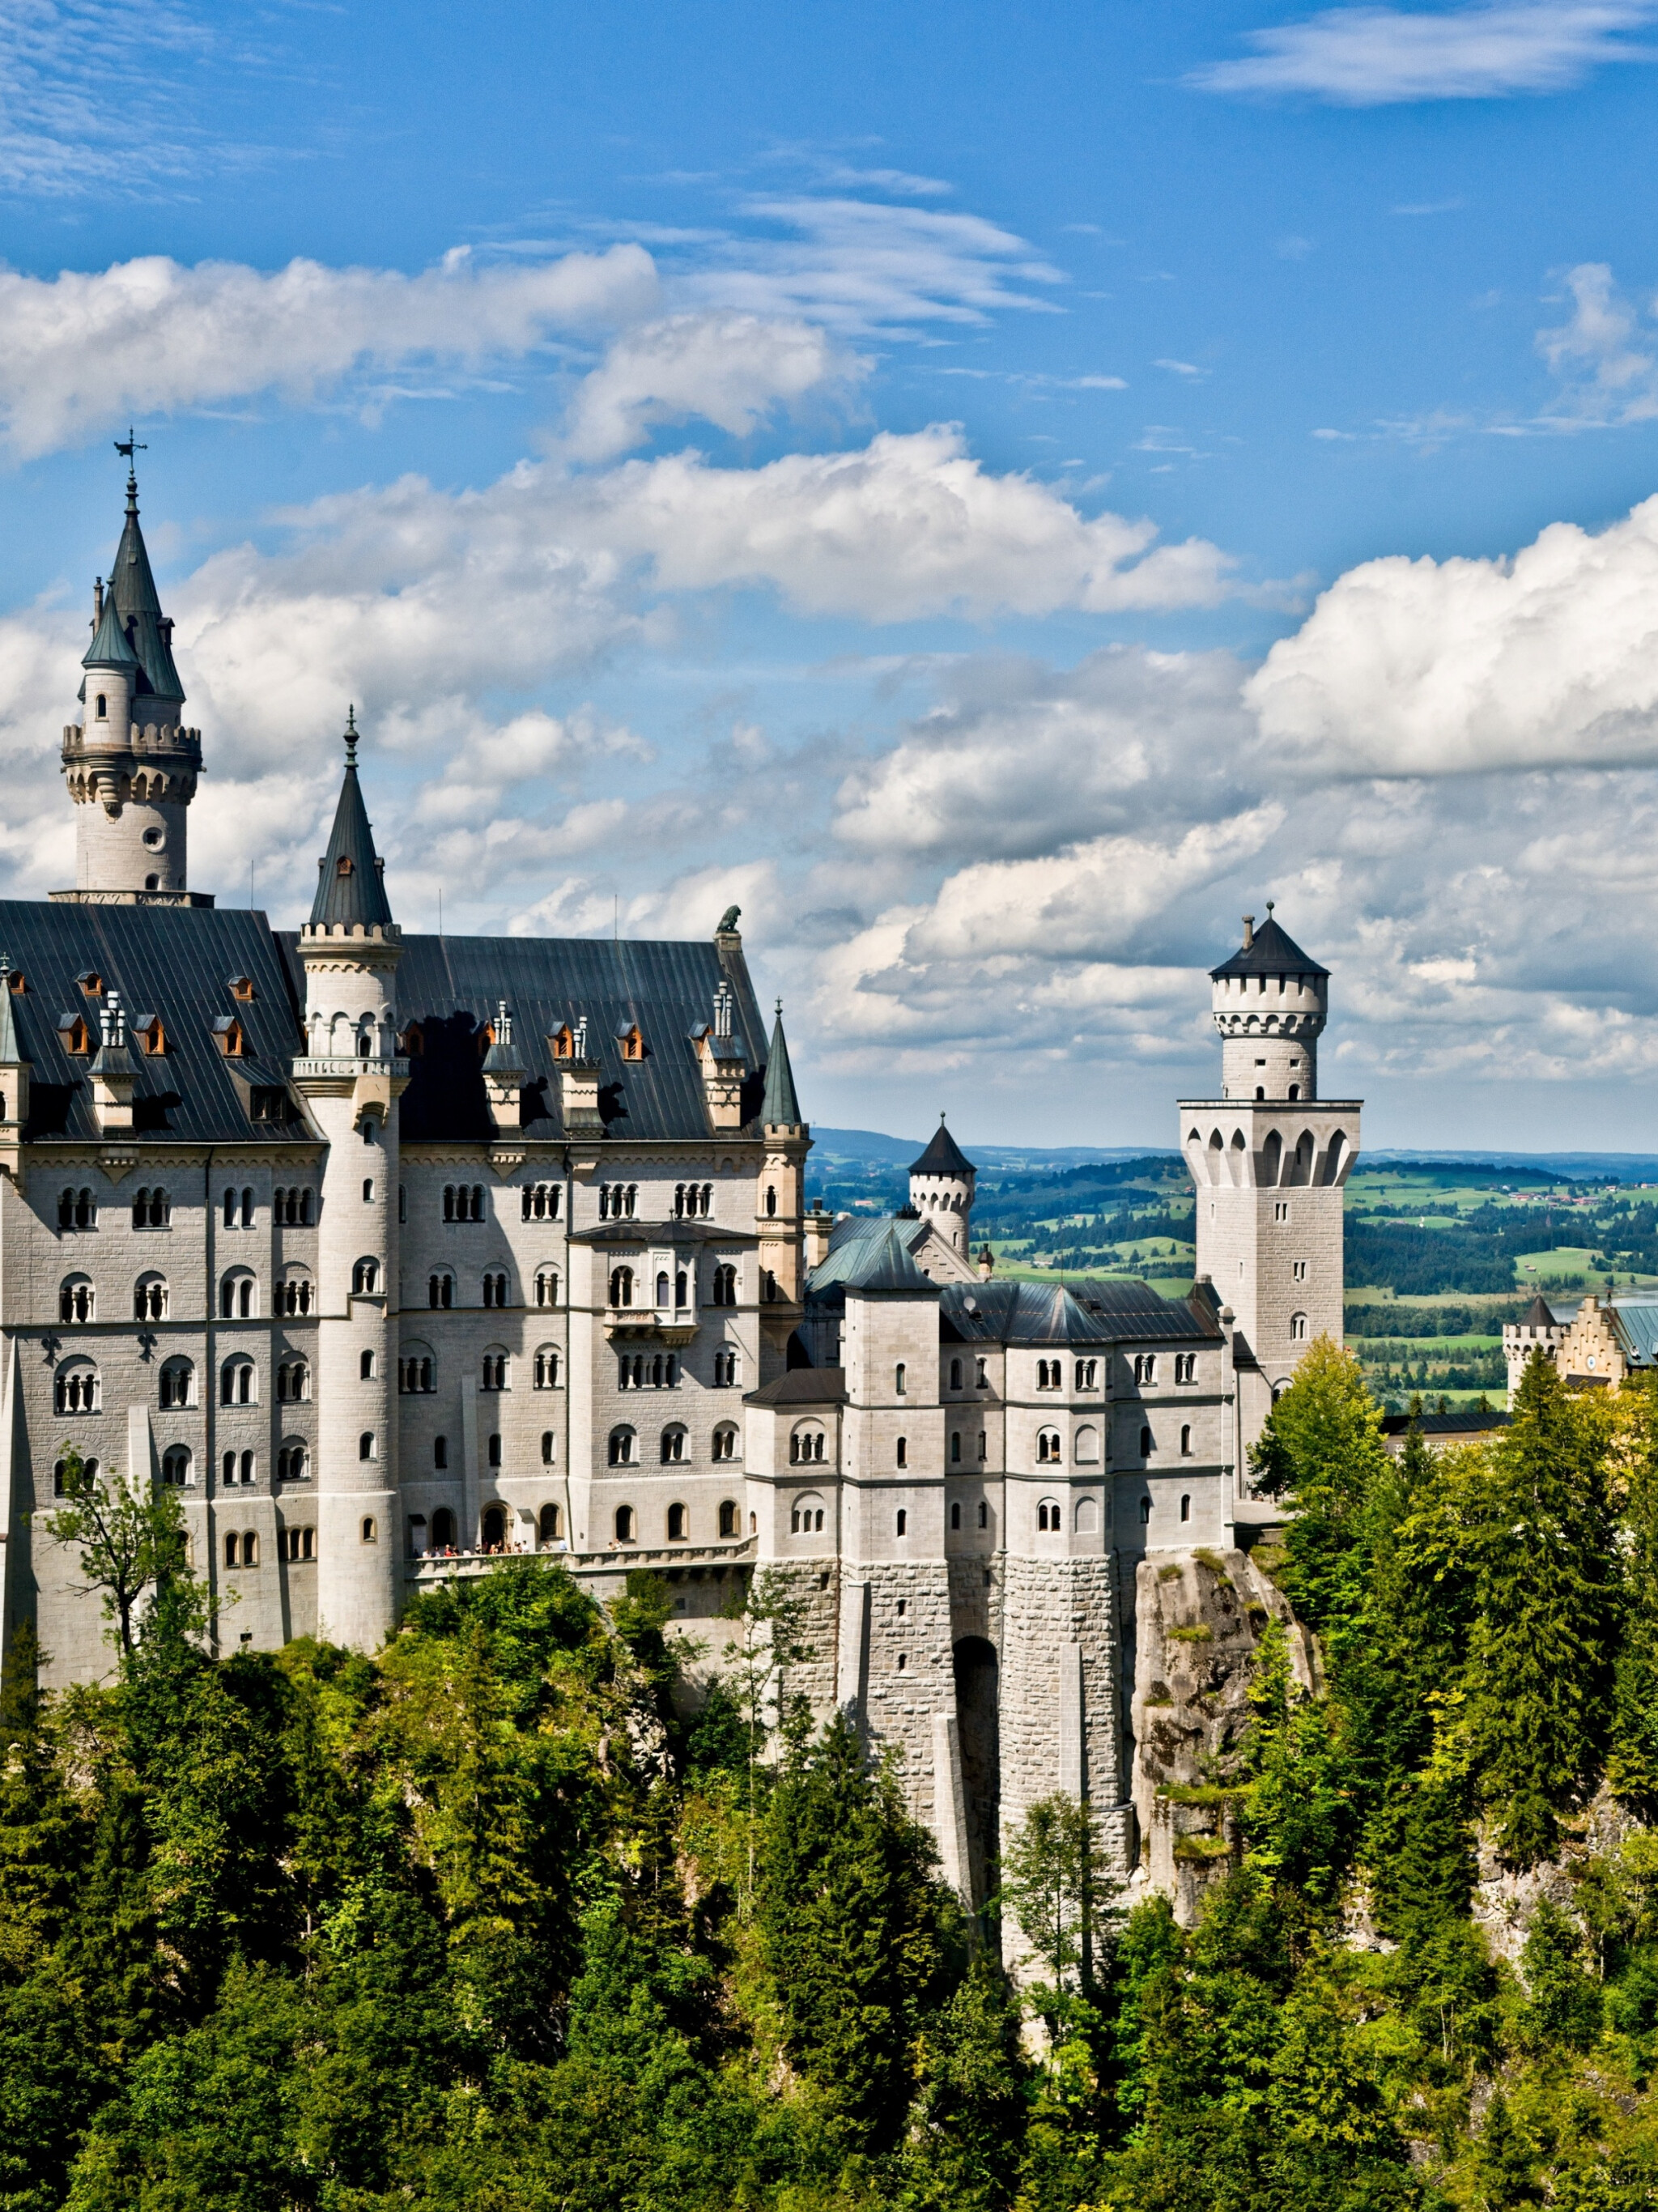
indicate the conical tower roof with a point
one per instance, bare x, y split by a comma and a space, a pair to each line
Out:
110, 648
349, 891
132, 593
1270, 952
779, 1109
942, 1157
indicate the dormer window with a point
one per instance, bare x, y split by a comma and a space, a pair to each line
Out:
241, 987
413, 1042
77, 1038
343, 866
227, 1035
563, 1042
632, 1042
91, 982
151, 1035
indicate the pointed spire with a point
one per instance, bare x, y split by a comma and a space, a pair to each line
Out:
137, 606
111, 647
780, 1109
349, 891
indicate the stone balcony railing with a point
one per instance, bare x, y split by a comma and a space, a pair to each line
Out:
428, 1569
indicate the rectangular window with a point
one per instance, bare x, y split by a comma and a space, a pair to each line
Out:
1298, 1269
1281, 1209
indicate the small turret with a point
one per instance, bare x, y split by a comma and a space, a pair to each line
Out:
941, 1184
1270, 1001
503, 1073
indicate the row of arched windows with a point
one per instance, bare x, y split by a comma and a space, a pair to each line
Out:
152, 1208
651, 1370
464, 1201
76, 1209
692, 1200
672, 1446
543, 1202
676, 1522
293, 1208
618, 1201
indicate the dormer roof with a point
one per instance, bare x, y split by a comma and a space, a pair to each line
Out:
1270, 951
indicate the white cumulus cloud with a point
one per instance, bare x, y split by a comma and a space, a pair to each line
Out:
84, 350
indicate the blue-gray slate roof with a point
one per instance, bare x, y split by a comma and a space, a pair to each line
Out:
349, 889
176, 961
132, 588
448, 989
942, 1157
780, 1108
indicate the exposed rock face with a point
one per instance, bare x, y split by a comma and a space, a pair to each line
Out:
1200, 1617
1504, 1901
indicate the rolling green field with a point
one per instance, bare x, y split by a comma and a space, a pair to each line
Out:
1437, 1257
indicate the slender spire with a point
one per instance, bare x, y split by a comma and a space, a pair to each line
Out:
350, 891
780, 1109
137, 608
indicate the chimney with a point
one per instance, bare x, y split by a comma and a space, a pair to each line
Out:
986, 1264
818, 1228
1248, 930
578, 1089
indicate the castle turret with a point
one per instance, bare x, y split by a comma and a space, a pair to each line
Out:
130, 765
1270, 1159
780, 1198
941, 1189
351, 1078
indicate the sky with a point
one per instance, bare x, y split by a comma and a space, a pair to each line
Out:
996, 492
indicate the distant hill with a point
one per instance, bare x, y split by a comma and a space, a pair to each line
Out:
870, 1147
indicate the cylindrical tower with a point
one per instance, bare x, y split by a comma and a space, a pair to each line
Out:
941, 1189
1270, 1004
351, 1079
130, 765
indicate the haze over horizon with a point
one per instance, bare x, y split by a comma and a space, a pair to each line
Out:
997, 494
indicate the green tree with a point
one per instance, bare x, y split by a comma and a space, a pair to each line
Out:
131, 1540
1055, 1885
854, 1929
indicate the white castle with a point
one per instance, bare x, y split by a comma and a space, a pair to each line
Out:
394, 1253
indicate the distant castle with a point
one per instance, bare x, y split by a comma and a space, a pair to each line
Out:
392, 1253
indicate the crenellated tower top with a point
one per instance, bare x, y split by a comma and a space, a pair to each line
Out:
1270, 1001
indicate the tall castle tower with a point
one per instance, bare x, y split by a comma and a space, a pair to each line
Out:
350, 1077
941, 1184
779, 1200
130, 763
1270, 1158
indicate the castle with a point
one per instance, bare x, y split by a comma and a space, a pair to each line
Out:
392, 1254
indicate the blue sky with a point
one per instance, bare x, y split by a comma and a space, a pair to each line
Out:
997, 491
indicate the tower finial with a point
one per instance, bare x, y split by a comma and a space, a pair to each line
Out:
351, 737
1271, 903
130, 444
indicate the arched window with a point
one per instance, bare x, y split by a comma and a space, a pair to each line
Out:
296, 1544
956, 1514
1085, 1446
806, 1445
541, 1201
440, 1288
955, 1373
725, 1441
771, 1199
495, 1286
901, 1449
1047, 1516
370, 1533
806, 1514
76, 1388
366, 1278
152, 1209
494, 1371
546, 1286
293, 1381
550, 1527
77, 1300
1087, 1517
725, 1285
728, 1516
900, 1383
177, 1469
178, 1384
1048, 1449
293, 1295
622, 1442
61, 1486
1185, 1440
1186, 1509
624, 1524
365, 1445
236, 1383
662, 1288
622, 1286
76, 1208
238, 1300
232, 1549
366, 1365
417, 1371
100, 707
724, 1368
677, 1530
545, 1371
1298, 1328
904, 1522
294, 1461
682, 1290
673, 1445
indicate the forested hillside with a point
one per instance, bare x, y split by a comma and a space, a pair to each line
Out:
486, 1920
